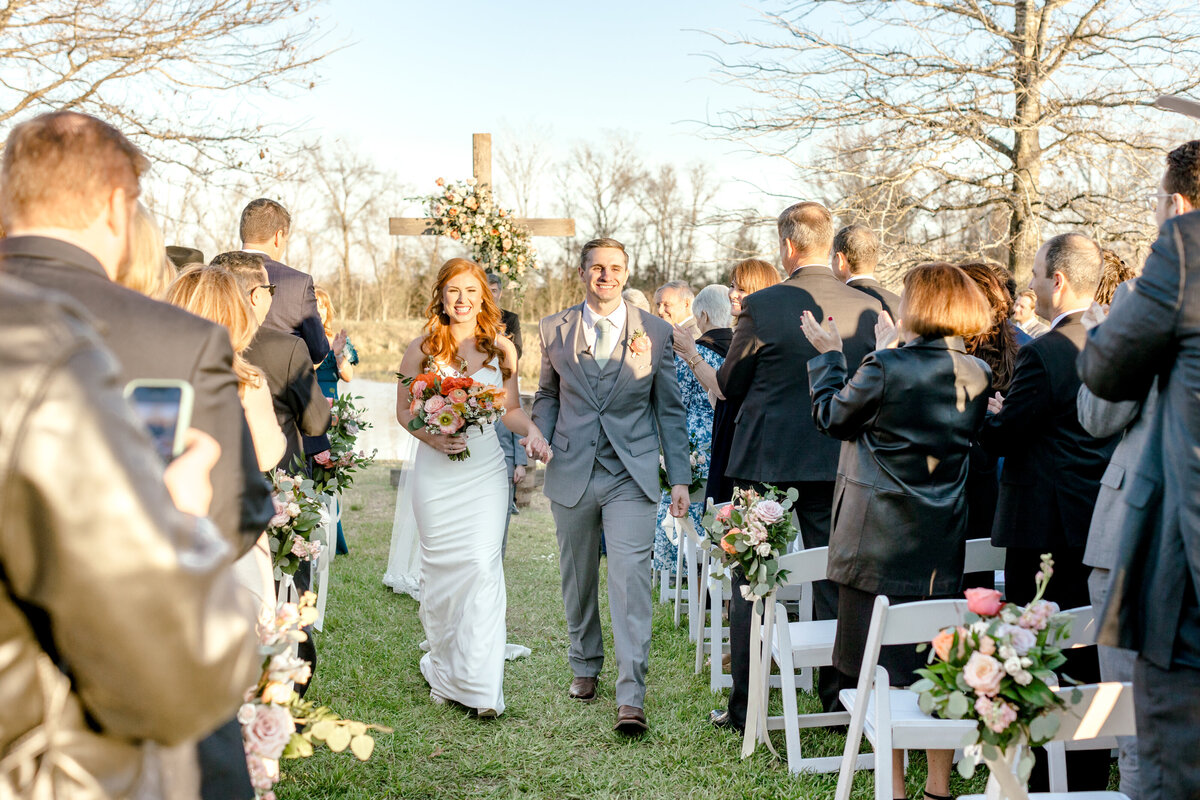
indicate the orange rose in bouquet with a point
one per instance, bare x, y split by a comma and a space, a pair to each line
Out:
451, 404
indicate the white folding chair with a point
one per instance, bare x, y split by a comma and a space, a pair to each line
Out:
1104, 713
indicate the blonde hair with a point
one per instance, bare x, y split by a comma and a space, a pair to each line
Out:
325, 308
147, 271
213, 293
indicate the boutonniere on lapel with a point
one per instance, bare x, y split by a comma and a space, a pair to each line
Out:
638, 343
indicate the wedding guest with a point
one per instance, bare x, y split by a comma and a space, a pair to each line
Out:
212, 293
746, 277
338, 365
673, 302
636, 298
300, 407
265, 228
997, 347
1052, 466
1026, 317
696, 363
1116, 272
181, 257
1154, 610
141, 602
855, 257
773, 443
147, 270
510, 320
908, 415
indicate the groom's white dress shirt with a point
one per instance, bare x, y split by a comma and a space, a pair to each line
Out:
590, 318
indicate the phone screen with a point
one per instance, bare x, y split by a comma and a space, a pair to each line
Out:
158, 408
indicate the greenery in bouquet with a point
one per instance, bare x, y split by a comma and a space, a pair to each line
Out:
698, 457
276, 722
333, 469
441, 404
998, 668
751, 532
468, 213
299, 513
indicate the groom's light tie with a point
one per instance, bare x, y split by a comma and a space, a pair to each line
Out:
604, 341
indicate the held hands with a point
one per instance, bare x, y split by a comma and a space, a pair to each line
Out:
995, 403
824, 339
187, 477
680, 500
887, 332
536, 446
682, 342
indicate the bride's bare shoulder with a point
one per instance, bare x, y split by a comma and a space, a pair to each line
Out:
414, 356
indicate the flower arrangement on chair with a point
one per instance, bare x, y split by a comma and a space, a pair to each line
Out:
998, 668
299, 513
751, 532
333, 469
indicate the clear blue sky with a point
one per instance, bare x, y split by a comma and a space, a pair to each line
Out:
417, 78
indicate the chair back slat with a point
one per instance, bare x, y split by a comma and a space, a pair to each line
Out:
914, 623
983, 556
805, 566
1105, 710
1083, 628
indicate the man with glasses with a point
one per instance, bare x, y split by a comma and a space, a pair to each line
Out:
284, 359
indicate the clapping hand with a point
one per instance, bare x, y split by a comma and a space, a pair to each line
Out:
887, 332
824, 339
1094, 315
682, 342
995, 403
338, 342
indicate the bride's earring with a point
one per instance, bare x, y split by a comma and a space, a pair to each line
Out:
443, 317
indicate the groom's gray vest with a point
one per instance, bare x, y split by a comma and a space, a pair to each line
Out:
618, 416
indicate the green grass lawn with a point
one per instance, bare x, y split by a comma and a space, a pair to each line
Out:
545, 745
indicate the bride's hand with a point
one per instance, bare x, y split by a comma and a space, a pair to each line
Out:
536, 446
448, 443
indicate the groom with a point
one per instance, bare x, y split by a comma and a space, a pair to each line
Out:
607, 401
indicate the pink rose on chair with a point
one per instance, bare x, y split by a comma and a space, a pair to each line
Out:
983, 673
984, 602
768, 512
725, 512
323, 458
270, 731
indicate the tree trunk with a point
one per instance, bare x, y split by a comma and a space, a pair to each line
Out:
1024, 223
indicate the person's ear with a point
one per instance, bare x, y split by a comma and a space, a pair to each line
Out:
1181, 204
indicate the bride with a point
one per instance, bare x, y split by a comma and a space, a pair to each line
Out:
461, 506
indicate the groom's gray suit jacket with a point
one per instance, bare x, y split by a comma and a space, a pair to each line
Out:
641, 412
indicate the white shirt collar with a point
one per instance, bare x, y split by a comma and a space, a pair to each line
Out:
1058, 319
590, 318
260, 252
867, 277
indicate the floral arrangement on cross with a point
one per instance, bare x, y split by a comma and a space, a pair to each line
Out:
467, 212
998, 668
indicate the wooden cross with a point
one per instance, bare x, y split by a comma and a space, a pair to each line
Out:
482, 168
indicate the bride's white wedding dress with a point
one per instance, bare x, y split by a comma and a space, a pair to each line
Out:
460, 509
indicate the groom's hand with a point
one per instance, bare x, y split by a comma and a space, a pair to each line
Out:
680, 500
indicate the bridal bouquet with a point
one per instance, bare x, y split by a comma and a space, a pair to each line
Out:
751, 532
276, 723
450, 405
699, 462
299, 512
333, 469
997, 668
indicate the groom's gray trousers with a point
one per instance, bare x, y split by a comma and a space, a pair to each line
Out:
616, 506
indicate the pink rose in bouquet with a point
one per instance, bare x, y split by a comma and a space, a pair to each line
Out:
270, 731
984, 602
768, 512
435, 404
983, 673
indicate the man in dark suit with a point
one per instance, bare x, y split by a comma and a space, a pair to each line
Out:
1152, 608
1052, 467
300, 407
68, 187
509, 320
776, 442
855, 257
265, 228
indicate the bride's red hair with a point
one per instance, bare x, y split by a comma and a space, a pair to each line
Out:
439, 345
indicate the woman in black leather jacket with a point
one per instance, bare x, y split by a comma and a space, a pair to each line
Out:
907, 418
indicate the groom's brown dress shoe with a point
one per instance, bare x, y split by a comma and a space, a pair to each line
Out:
631, 721
582, 689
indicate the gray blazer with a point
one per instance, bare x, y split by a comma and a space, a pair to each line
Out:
643, 412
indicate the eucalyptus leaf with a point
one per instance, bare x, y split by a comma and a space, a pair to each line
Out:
1042, 728
925, 702
1025, 766
956, 705
339, 739
966, 768
991, 752
923, 685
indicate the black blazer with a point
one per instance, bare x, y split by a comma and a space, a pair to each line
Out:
294, 308
1153, 333
889, 300
1052, 466
511, 322
299, 405
907, 420
775, 439
157, 340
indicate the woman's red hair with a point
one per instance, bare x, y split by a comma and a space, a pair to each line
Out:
439, 345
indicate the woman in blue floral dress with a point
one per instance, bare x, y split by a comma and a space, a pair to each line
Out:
696, 365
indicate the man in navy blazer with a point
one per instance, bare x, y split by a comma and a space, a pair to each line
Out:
265, 228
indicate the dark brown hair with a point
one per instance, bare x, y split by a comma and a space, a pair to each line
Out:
261, 218
60, 168
940, 300
1115, 273
438, 344
997, 346
1183, 171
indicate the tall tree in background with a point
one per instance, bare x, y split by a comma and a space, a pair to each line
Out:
1010, 107
153, 69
